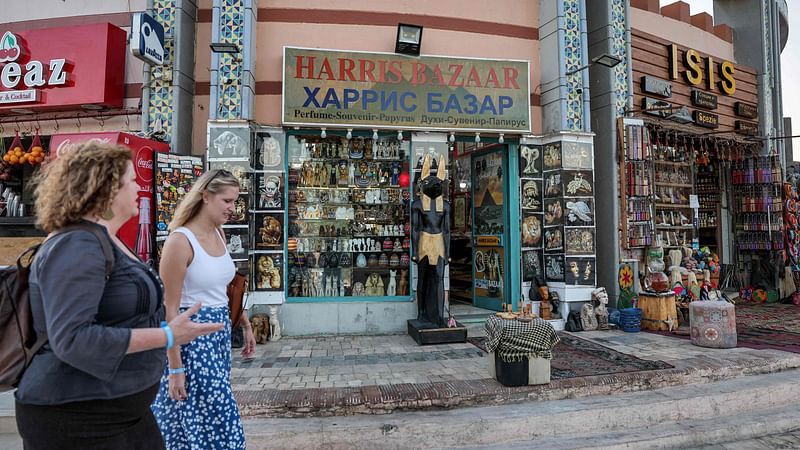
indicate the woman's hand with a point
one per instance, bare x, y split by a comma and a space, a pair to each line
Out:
184, 330
249, 342
177, 387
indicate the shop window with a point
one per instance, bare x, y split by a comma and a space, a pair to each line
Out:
349, 217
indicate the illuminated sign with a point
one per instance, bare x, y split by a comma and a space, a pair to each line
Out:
705, 119
701, 71
704, 99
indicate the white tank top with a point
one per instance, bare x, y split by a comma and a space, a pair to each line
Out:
207, 276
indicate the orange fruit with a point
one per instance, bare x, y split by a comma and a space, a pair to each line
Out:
14, 159
39, 159
6, 157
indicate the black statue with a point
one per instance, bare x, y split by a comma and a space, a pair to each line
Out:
430, 233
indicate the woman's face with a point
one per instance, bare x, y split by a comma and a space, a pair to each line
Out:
126, 205
220, 206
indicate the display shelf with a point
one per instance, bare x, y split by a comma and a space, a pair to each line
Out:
672, 163
681, 185
672, 206
359, 178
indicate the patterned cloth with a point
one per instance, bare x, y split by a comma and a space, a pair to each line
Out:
512, 339
209, 417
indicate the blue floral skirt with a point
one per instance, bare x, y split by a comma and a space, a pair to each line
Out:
209, 417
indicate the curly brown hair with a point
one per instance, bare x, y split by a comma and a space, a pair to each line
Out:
79, 183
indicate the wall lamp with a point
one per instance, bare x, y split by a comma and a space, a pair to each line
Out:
409, 39
224, 47
604, 60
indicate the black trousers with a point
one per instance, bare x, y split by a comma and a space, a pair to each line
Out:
120, 423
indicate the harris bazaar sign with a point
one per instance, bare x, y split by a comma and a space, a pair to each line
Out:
62, 68
339, 88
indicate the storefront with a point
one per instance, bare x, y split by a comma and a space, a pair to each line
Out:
58, 87
336, 185
699, 188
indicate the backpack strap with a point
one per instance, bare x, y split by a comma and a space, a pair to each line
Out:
105, 243
108, 254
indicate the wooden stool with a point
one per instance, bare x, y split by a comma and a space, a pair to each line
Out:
658, 311
713, 324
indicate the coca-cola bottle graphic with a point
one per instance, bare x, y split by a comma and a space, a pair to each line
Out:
144, 240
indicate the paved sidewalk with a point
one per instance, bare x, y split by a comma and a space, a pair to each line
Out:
342, 375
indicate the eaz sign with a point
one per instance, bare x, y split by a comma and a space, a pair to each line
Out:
62, 68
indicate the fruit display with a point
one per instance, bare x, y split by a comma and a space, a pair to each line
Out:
17, 155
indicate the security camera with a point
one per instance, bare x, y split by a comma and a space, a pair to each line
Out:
579, 90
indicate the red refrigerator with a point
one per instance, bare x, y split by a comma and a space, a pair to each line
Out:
139, 232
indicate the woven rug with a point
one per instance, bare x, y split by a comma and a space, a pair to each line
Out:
575, 357
762, 326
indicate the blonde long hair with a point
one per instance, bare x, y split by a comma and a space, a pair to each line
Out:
213, 181
82, 182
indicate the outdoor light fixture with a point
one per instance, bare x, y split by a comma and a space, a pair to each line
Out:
224, 47
349, 134
374, 135
477, 137
452, 137
400, 135
502, 138
604, 60
323, 134
681, 115
409, 39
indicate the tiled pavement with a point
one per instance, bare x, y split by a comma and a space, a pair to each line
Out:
336, 375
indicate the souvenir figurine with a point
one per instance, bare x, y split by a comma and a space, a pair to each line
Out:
431, 240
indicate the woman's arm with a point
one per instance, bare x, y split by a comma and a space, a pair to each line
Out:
176, 256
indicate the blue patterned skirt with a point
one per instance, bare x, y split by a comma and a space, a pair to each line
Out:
209, 417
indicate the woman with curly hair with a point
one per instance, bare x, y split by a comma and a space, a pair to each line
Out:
91, 385
195, 407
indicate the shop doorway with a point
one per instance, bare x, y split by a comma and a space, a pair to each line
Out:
479, 241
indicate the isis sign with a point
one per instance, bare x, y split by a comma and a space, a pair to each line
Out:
323, 87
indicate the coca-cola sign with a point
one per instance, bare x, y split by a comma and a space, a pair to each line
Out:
65, 146
144, 164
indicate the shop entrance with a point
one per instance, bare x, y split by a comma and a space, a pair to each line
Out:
479, 242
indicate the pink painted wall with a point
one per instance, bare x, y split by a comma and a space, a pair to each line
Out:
681, 33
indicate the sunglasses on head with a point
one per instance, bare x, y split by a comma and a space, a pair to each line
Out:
222, 172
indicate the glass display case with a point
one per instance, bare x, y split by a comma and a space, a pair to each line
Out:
349, 231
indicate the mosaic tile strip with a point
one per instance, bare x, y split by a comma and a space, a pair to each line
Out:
160, 104
231, 29
766, 88
572, 61
618, 49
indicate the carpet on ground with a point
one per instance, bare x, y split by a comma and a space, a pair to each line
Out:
762, 326
575, 357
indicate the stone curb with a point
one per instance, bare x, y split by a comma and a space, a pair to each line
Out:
384, 399
686, 416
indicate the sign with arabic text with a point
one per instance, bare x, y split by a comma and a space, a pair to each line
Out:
340, 88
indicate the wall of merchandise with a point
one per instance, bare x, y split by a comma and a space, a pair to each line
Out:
557, 213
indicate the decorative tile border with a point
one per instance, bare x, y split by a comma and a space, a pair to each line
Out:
573, 56
160, 104
618, 48
232, 30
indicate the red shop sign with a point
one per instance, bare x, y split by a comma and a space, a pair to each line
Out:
62, 68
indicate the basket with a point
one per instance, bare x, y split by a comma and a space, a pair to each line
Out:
631, 320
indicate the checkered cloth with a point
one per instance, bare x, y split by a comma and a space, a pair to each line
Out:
512, 339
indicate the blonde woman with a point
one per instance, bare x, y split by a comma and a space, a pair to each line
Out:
92, 384
195, 408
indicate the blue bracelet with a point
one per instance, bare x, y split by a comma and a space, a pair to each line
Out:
177, 371
168, 332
